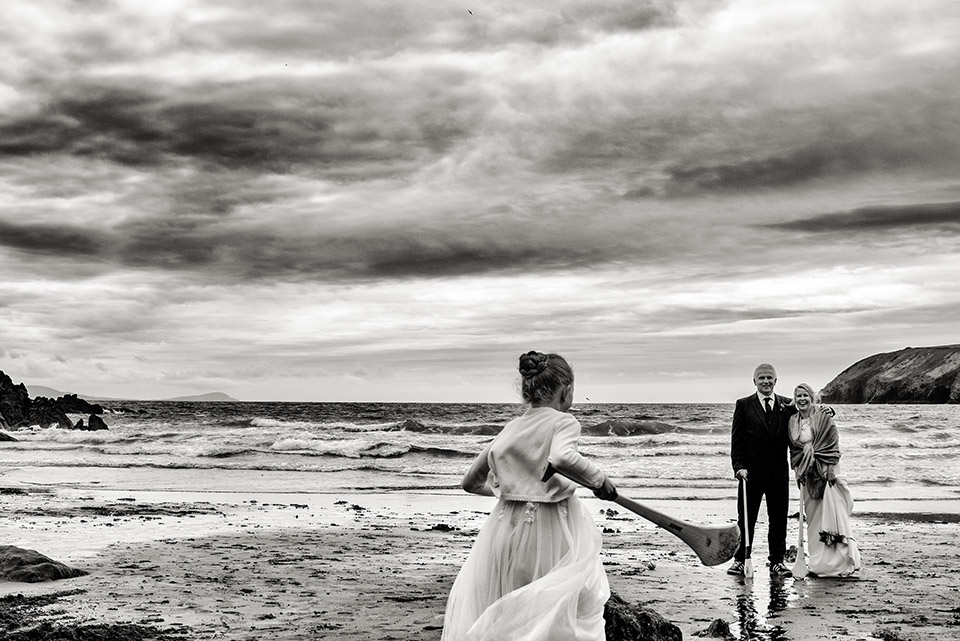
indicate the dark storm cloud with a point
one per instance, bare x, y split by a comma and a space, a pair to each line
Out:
939, 216
345, 132
50, 239
776, 171
347, 258
412, 257
844, 157
204, 244
688, 154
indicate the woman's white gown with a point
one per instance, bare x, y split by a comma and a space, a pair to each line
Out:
832, 549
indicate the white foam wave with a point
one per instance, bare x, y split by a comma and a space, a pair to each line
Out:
76, 437
291, 444
279, 424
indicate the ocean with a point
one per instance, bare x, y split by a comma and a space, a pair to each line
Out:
900, 453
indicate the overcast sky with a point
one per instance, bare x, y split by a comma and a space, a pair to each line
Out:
359, 200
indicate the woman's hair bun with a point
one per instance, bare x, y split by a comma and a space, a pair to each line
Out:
532, 363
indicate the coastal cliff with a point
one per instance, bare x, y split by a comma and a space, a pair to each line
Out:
910, 375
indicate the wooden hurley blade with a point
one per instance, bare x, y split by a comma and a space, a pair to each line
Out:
713, 544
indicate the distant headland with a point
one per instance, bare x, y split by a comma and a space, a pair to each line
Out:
212, 396
910, 375
49, 392
49, 407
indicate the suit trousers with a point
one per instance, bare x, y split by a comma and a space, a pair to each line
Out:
776, 490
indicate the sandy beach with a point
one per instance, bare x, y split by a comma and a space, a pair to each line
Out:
220, 565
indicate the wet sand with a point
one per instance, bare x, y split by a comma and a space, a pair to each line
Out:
379, 566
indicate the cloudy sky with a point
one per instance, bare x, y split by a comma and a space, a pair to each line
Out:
366, 200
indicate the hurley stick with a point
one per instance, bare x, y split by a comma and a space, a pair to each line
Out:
747, 561
714, 544
800, 566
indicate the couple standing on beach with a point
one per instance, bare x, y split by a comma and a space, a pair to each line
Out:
766, 427
534, 572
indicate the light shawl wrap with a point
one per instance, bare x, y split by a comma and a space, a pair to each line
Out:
812, 460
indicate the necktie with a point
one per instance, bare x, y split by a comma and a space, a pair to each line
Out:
766, 403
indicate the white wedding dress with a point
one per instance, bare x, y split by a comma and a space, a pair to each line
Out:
832, 548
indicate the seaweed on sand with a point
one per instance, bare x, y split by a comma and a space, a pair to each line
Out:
26, 618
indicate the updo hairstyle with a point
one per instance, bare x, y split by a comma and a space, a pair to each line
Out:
541, 375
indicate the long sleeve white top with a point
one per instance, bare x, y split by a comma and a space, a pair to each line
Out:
514, 462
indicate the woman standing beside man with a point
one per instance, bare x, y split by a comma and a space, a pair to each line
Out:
815, 457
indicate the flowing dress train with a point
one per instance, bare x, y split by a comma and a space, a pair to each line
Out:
534, 574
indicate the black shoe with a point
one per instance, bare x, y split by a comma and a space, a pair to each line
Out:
736, 569
779, 569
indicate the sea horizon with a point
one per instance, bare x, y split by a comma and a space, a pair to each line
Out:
656, 449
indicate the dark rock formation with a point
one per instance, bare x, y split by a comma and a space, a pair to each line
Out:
719, 629
96, 423
628, 622
14, 401
73, 404
6, 437
45, 412
29, 566
18, 410
911, 375
411, 425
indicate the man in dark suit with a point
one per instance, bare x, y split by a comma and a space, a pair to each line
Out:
759, 455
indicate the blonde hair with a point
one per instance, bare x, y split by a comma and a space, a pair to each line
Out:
814, 397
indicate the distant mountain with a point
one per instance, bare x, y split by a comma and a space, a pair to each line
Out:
49, 392
40, 390
911, 375
212, 396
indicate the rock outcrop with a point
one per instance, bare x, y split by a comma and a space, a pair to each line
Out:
911, 375
629, 622
14, 401
17, 409
73, 404
29, 566
45, 412
96, 423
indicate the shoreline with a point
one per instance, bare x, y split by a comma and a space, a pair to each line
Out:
379, 565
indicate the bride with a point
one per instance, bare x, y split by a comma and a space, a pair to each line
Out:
815, 457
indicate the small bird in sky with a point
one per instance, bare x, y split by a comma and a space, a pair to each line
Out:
470, 12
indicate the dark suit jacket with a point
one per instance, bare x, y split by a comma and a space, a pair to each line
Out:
757, 447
